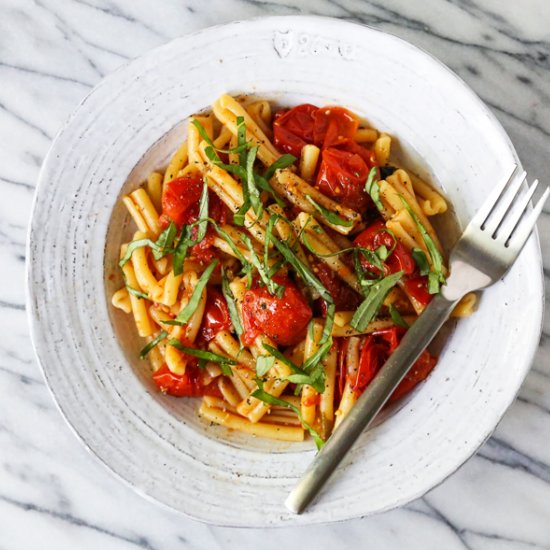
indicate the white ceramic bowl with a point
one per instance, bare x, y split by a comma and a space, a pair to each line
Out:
128, 126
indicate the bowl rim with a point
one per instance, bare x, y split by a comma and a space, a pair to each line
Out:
35, 327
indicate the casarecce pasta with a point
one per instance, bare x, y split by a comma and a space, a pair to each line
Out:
277, 262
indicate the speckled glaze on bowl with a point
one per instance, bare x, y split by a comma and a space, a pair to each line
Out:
129, 125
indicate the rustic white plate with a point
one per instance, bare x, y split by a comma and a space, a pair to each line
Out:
129, 125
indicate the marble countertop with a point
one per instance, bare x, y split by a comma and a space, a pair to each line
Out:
53, 493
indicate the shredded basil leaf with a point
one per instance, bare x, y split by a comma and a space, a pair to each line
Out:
373, 302
164, 243
180, 251
373, 189
203, 354
421, 261
435, 277
262, 395
382, 252
299, 376
396, 317
264, 185
310, 279
247, 266
250, 183
134, 245
202, 222
161, 336
330, 216
282, 162
137, 293
206, 138
264, 364
187, 312
231, 306
272, 286
241, 140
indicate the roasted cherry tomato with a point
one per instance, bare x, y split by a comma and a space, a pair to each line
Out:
216, 315
180, 200
420, 370
185, 385
345, 298
342, 176
284, 319
293, 128
333, 126
368, 155
376, 348
371, 358
377, 235
417, 287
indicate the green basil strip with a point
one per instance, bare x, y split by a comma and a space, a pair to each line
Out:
264, 364
329, 216
372, 257
282, 162
180, 252
202, 354
373, 189
231, 306
421, 261
161, 336
253, 193
264, 185
382, 252
137, 293
396, 317
241, 140
299, 376
134, 245
235, 169
203, 215
206, 138
165, 241
370, 306
273, 287
187, 312
245, 263
309, 278
262, 395
436, 276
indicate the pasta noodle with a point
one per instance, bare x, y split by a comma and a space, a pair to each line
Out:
244, 277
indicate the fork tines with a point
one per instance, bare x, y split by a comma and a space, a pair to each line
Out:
506, 215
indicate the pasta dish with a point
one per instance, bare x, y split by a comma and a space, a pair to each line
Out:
278, 261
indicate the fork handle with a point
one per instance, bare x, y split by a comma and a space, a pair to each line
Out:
414, 342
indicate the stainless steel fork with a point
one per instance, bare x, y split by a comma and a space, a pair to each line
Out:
487, 249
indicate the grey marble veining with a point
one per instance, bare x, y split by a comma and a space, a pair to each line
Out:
53, 494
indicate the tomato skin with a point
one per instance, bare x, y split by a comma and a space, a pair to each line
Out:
180, 199
420, 371
376, 235
417, 287
376, 349
371, 358
293, 128
284, 319
368, 155
216, 315
342, 176
185, 385
326, 127
345, 298
180, 202
333, 126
